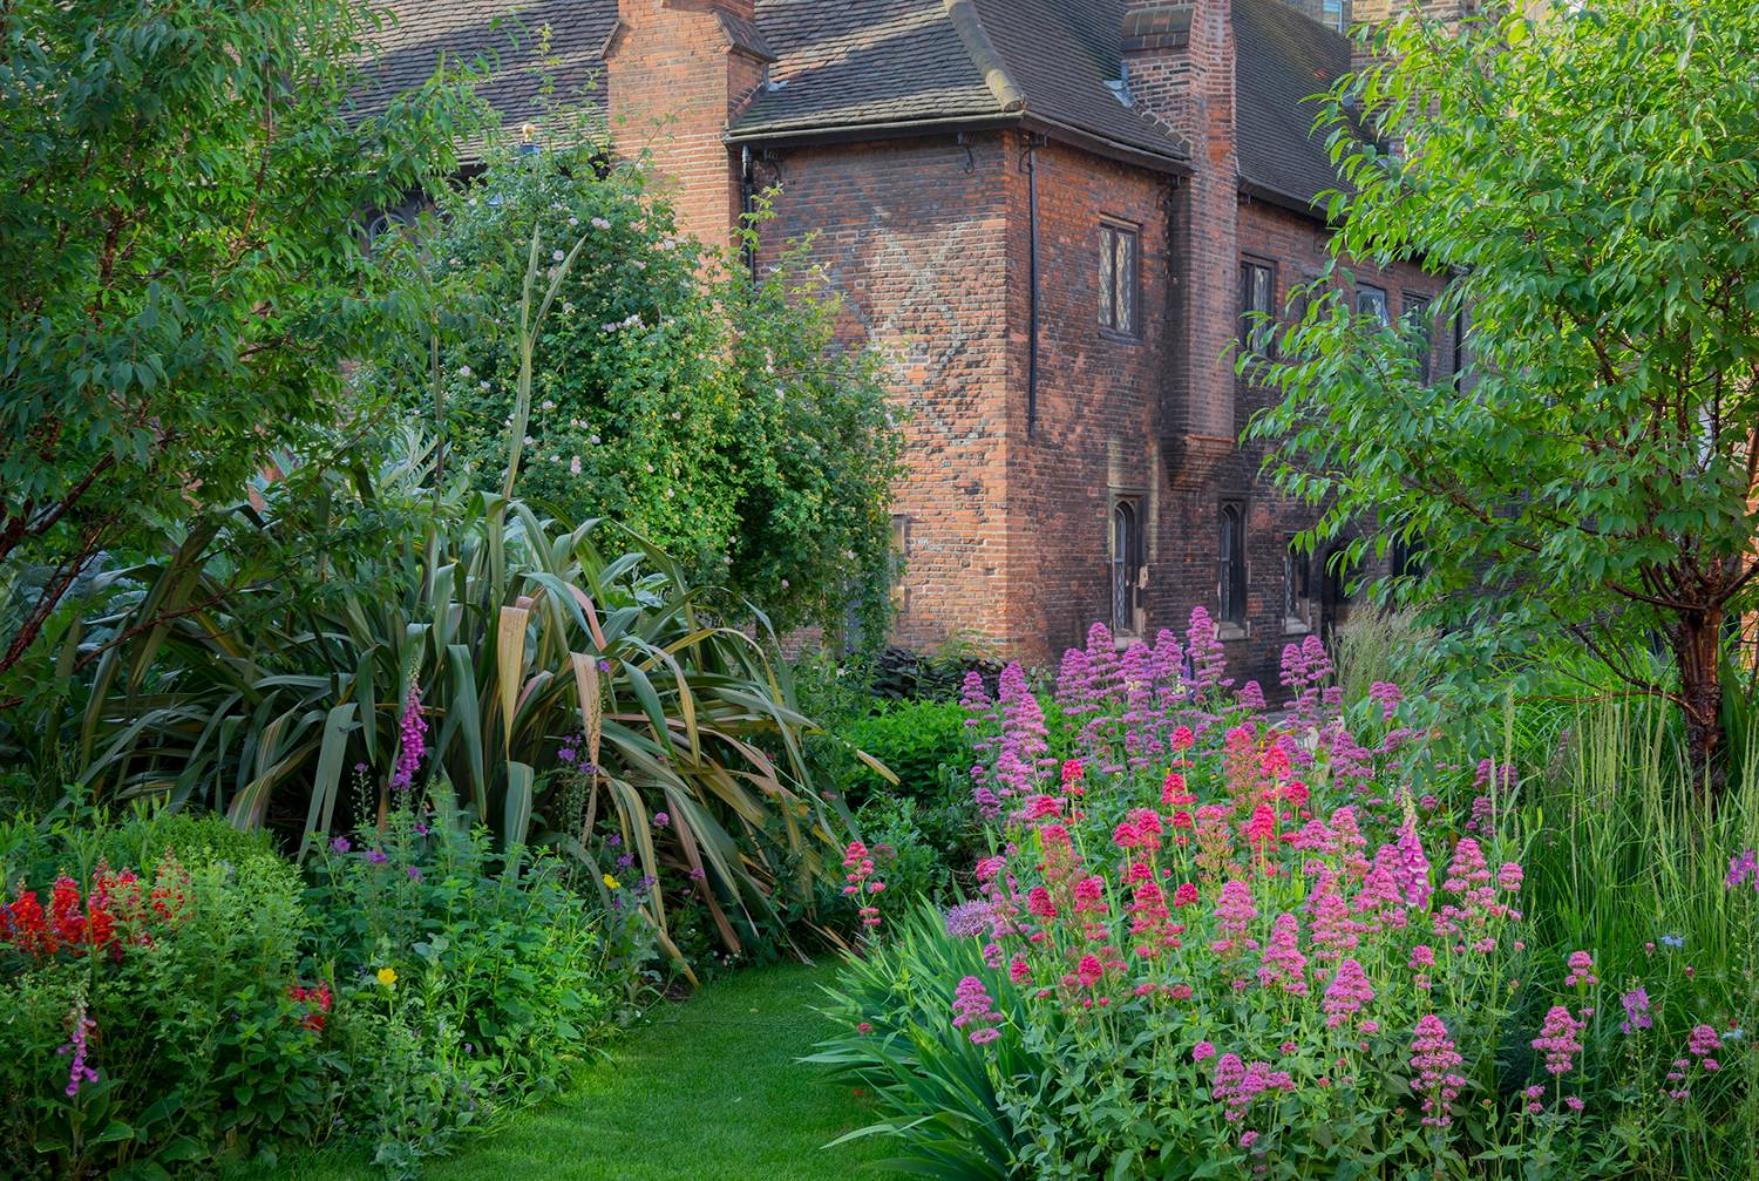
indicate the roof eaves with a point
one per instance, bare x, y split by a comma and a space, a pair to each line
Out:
1172, 163
1306, 206
843, 131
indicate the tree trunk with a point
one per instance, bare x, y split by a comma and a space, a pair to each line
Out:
1697, 645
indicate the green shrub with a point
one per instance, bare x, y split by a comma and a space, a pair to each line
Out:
915, 740
465, 984
715, 414
196, 1044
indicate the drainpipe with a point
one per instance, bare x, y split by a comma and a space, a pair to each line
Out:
747, 204
1031, 164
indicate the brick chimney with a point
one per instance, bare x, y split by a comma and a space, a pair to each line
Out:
677, 72
1179, 63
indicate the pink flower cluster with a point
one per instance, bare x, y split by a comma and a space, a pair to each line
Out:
860, 884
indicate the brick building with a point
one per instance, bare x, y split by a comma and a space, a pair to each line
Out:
1048, 215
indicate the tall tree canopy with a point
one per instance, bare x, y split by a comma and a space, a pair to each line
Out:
182, 268
1589, 181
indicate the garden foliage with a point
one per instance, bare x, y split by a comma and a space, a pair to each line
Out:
1582, 175
181, 259
1216, 942
707, 405
205, 1004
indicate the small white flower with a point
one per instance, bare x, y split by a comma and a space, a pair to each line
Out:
548, 405
574, 466
567, 308
638, 264
483, 386
668, 494
593, 439
529, 440
557, 256
458, 262
574, 221
599, 223
677, 415
784, 584
464, 371
650, 468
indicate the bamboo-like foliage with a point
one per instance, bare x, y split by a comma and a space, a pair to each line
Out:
518, 633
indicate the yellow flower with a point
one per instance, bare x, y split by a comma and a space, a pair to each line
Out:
387, 976
611, 881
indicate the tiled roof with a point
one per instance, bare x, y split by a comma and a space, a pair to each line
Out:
1282, 59
849, 65
873, 63
864, 62
506, 37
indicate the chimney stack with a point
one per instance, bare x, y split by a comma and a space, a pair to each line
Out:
677, 72
1179, 65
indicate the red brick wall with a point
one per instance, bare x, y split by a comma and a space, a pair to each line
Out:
913, 234
1098, 392
674, 81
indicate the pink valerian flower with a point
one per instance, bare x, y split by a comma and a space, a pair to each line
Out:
859, 882
1209, 660
1090, 971
1234, 911
1090, 895
1261, 830
411, 741
973, 1010
1379, 903
1581, 971
1509, 877
1182, 738
1636, 1005
1334, 932
1352, 845
1215, 839
1435, 1062
1040, 904
1073, 775
1237, 1084
1467, 871
1559, 1040
1173, 792
1148, 919
1202, 1050
1019, 971
1283, 964
80, 1029
1703, 1042
1346, 994
1388, 696
1252, 696
1075, 684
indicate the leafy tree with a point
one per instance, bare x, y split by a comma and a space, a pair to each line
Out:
182, 268
1588, 180
672, 390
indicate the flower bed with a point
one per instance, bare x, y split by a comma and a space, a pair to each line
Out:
1212, 941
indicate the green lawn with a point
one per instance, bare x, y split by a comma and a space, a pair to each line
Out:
709, 1091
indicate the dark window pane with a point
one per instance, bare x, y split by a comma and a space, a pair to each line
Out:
1372, 301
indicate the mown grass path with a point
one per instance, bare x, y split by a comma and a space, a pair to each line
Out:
710, 1091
